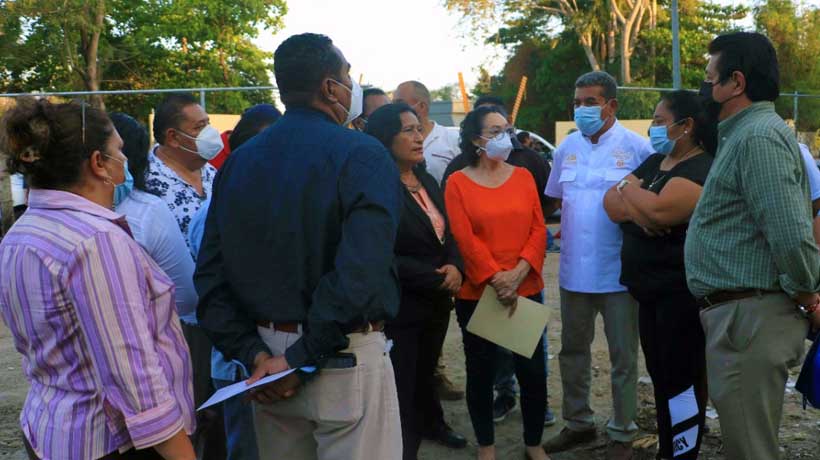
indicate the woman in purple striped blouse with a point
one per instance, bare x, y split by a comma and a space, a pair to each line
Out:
91, 313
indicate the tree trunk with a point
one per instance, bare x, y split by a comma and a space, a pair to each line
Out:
630, 28
91, 47
653, 23
586, 42
610, 39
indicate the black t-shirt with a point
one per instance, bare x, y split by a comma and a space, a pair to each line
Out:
648, 263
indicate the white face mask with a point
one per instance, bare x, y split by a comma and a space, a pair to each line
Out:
356, 102
499, 147
208, 143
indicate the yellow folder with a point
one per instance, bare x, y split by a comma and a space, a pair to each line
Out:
519, 333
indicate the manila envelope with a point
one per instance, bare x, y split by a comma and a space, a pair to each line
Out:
519, 333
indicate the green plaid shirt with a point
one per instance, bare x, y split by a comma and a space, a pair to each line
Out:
752, 227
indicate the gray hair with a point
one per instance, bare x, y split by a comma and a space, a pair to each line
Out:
419, 90
604, 80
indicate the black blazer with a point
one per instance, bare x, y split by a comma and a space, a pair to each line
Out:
419, 253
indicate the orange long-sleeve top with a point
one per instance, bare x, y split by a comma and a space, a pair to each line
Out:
494, 228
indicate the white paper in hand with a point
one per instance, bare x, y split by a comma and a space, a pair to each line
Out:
240, 387
519, 333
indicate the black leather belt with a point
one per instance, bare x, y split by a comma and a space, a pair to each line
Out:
720, 297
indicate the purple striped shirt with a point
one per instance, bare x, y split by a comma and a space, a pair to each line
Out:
94, 318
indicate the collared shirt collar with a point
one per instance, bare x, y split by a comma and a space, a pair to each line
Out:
725, 126
39, 198
608, 134
434, 134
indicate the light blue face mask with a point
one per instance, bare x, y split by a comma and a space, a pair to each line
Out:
121, 191
659, 137
588, 119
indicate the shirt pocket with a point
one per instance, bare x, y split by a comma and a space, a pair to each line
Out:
568, 175
615, 175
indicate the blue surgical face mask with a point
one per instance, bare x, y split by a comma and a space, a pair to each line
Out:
659, 137
121, 191
588, 119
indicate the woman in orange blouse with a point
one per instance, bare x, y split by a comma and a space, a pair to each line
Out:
496, 219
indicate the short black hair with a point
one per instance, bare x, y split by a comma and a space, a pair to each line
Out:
489, 100
688, 104
253, 120
168, 114
753, 55
599, 78
385, 122
300, 64
135, 145
522, 136
367, 92
471, 128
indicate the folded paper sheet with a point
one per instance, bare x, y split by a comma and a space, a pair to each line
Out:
519, 333
240, 387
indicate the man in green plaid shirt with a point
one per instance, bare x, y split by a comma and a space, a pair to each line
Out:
751, 259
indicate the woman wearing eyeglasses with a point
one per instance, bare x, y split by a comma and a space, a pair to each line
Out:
496, 218
653, 206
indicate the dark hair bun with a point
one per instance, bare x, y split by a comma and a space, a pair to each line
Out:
48, 142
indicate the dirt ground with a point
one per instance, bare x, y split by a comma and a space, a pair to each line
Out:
798, 436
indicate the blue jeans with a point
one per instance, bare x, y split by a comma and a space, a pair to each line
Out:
505, 383
239, 427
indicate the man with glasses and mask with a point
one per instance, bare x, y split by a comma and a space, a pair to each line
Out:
750, 258
586, 165
372, 99
296, 266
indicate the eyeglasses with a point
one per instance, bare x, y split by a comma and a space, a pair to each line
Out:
411, 129
496, 131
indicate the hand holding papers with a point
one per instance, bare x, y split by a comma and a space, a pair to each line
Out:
240, 387
518, 333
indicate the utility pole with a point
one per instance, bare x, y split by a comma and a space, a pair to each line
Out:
676, 79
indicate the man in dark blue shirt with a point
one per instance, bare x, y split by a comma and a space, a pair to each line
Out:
296, 265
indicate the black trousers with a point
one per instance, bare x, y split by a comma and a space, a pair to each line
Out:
480, 363
674, 345
415, 352
209, 438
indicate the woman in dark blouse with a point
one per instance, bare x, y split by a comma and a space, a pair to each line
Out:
653, 206
430, 272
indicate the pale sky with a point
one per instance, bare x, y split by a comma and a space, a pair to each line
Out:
390, 41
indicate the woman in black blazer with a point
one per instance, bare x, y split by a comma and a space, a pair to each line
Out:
430, 271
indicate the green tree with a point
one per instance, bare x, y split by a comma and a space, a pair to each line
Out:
445, 93
554, 58
50, 46
794, 32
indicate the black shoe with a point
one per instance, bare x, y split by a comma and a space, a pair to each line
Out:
447, 438
502, 406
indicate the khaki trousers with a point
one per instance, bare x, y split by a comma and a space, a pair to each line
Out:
340, 414
620, 313
750, 346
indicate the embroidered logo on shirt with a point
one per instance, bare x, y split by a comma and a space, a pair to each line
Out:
622, 158
571, 158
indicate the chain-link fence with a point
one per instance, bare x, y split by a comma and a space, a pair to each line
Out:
800, 110
206, 96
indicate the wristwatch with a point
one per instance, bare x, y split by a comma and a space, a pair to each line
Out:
623, 183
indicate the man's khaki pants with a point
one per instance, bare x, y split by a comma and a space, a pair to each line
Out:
340, 414
750, 345
620, 313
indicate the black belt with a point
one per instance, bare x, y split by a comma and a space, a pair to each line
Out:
720, 297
